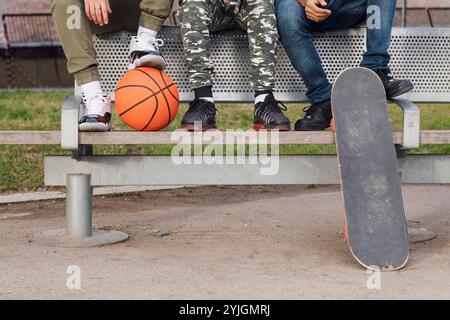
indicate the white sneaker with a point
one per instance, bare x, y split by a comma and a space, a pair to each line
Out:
97, 115
144, 52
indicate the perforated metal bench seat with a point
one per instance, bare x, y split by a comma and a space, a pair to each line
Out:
419, 54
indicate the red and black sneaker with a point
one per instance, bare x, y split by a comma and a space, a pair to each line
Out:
200, 116
269, 115
97, 115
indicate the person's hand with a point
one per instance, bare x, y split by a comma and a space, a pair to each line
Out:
313, 11
98, 11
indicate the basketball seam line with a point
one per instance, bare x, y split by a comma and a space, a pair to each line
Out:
138, 86
162, 78
135, 105
153, 115
162, 91
133, 86
169, 120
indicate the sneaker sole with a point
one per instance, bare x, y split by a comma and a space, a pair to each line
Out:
312, 129
260, 126
151, 61
94, 127
191, 127
399, 91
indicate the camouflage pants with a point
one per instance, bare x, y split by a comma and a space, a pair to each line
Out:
200, 17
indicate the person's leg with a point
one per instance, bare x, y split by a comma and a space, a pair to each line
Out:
379, 34
195, 21
74, 30
295, 31
76, 40
258, 18
195, 18
295, 35
376, 57
144, 49
154, 13
380, 16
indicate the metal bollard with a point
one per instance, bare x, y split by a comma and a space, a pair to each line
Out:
78, 231
79, 205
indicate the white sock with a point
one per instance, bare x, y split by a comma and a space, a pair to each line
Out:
210, 99
145, 32
261, 98
91, 89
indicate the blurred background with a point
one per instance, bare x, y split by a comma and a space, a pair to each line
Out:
31, 57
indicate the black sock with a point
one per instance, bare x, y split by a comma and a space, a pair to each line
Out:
261, 96
203, 92
257, 93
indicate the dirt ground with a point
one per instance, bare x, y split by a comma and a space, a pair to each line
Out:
271, 242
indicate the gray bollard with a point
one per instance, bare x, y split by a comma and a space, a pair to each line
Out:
79, 205
78, 231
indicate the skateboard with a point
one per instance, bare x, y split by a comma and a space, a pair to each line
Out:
375, 216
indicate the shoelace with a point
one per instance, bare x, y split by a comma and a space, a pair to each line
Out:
201, 103
389, 77
310, 110
206, 108
94, 106
158, 43
155, 42
385, 76
266, 108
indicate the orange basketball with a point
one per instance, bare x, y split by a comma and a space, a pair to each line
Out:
147, 99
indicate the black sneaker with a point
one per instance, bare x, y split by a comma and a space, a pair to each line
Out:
201, 115
392, 86
317, 117
269, 115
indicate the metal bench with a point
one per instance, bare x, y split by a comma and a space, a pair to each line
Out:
419, 54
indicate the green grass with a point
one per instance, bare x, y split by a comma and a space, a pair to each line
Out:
21, 167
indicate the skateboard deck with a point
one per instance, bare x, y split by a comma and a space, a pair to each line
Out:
375, 216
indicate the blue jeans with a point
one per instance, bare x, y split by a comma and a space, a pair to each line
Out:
295, 33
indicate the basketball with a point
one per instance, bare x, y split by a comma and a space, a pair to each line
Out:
146, 99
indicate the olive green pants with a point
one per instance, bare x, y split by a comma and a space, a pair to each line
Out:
75, 30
